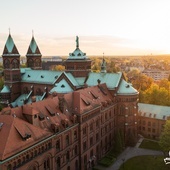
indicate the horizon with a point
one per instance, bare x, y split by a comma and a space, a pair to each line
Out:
119, 28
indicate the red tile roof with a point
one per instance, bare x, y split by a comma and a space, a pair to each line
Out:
17, 134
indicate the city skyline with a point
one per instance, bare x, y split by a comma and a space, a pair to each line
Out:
112, 27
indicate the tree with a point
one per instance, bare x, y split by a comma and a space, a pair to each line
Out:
112, 68
164, 141
1, 82
96, 68
155, 95
59, 68
119, 141
139, 80
164, 83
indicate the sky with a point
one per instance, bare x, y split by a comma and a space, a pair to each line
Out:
112, 27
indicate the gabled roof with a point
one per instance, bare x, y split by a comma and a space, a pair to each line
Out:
17, 134
154, 111
40, 76
111, 79
91, 98
33, 48
72, 79
80, 80
62, 87
21, 99
5, 89
10, 48
126, 89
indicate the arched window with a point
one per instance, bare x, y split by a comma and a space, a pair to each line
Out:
58, 163
47, 164
37, 62
76, 150
58, 145
67, 140
6, 63
9, 167
15, 63
67, 156
19, 162
30, 63
33, 167
75, 134
76, 165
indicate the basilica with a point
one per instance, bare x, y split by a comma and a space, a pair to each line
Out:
63, 120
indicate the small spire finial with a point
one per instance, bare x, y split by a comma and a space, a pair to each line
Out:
9, 30
103, 55
32, 33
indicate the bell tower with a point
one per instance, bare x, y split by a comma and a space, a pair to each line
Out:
34, 56
11, 64
78, 63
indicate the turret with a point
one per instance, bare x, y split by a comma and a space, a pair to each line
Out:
78, 63
11, 64
34, 56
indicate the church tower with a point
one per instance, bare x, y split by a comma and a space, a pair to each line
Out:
34, 56
12, 75
78, 63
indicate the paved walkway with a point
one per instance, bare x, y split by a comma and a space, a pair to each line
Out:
128, 153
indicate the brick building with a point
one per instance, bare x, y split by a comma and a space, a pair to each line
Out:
152, 119
61, 120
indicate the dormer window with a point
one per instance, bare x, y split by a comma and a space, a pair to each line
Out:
41, 116
86, 102
42, 76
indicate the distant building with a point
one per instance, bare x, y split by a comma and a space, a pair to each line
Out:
157, 74
152, 118
53, 58
62, 120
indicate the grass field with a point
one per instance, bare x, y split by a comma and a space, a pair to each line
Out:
145, 163
150, 144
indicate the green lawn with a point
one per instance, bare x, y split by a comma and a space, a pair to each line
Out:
145, 163
149, 144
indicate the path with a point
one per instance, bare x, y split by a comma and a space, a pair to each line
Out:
128, 153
